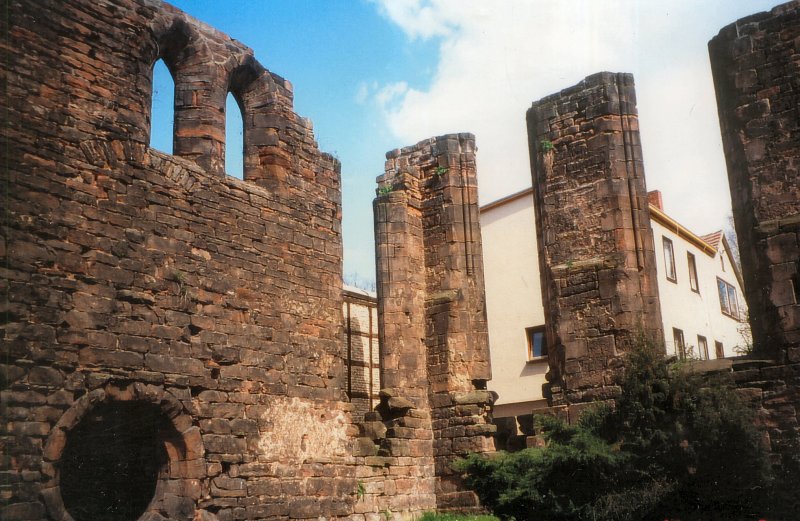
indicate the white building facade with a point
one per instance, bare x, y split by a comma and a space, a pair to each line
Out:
702, 304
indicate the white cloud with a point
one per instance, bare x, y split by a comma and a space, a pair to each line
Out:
362, 93
498, 57
389, 94
422, 18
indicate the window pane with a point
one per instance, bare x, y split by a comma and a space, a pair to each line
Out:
538, 344
692, 272
669, 259
702, 347
677, 338
732, 301
723, 296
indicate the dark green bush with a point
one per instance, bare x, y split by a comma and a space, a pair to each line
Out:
435, 516
556, 482
676, 446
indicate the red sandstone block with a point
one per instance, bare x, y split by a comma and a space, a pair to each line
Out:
783, 248
168, 364
110, 358
22, 511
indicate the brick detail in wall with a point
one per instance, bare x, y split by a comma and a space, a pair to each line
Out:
431, 302
755, 63
595, 241
363, 351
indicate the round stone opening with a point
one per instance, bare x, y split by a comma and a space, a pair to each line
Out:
112, 460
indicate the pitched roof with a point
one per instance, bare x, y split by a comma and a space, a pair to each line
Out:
713, 238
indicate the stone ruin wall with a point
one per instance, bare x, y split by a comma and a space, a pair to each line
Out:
205, 310
755, 63
586, 227
143, 282
431, 302
593, 228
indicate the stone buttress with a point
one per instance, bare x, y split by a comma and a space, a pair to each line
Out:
593, 227
431, 302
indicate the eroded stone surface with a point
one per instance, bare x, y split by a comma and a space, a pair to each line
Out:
595, 241
431, 304
755, 63
756, 68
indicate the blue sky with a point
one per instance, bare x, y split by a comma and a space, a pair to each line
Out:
376, 75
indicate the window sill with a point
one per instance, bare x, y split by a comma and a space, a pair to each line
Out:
733, 317
537, 359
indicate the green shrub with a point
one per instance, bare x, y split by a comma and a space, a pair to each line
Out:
434, 516
677, 445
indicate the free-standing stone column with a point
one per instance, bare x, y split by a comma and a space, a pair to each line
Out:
756, 68
595, 241
431, 301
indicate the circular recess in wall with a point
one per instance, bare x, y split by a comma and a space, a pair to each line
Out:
113, 454
111, 462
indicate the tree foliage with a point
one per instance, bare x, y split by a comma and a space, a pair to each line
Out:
677, 445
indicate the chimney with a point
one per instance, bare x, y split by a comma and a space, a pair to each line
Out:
654, 198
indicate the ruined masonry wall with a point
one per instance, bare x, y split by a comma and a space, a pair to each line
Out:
131, 276
755, 62
428, 250
594, 236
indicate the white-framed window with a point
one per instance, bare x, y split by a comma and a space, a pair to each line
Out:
728, 303
680, 345
669, 260
537, 342
702, 347
692, 272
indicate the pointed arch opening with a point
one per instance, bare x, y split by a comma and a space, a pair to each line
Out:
162, 108
234, 137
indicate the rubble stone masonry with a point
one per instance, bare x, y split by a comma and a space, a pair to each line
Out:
593, 227
431, 302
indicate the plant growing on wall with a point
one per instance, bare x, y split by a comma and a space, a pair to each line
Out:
548, 155
179, 278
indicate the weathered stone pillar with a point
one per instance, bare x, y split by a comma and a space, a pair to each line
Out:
756, 69
431, 297
200, 93
593, 226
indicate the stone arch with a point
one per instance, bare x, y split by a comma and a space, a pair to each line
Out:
199, 127
244, 71
183, 463
262, 103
